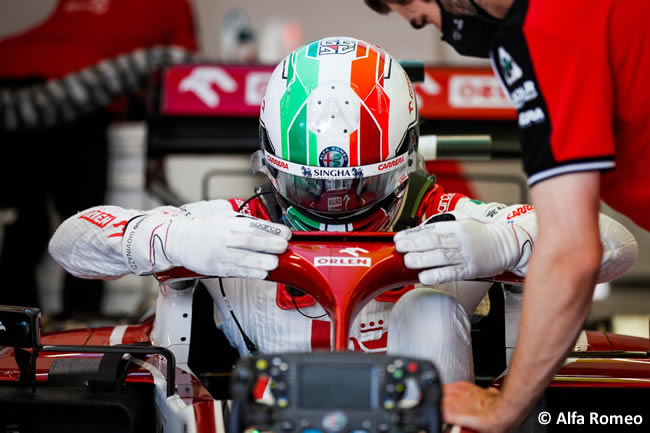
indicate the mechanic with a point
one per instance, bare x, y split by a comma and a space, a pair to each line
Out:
577, 74
339, 134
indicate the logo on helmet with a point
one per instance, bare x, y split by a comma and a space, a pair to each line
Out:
306, 171
333, 156
277, 163
336, 46
390, 164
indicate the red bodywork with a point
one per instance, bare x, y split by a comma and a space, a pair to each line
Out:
342, 271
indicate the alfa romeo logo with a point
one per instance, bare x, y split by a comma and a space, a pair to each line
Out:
333, 156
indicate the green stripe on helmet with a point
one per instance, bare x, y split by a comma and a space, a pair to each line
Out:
300, 221
302, 78
298, 137
313, 150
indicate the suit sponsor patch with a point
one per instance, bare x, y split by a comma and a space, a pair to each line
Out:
98, 217
522, 210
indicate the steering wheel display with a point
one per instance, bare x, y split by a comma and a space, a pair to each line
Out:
332, 392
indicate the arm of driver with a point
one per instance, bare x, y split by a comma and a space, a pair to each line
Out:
89, 244
557, 295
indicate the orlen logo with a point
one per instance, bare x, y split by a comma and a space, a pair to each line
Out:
201, 80
277, 162
391, 164
343, 261
520, 211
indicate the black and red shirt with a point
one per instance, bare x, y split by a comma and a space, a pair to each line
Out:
578, 73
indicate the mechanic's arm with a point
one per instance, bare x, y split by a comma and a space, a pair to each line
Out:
209, 238
558, 289
557, 296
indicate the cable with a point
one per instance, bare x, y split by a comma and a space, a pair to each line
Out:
293, 299
252, 348
248, 200
66, 99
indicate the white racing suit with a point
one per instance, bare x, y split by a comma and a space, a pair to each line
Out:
420, 322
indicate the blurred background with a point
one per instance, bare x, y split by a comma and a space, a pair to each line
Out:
84, 122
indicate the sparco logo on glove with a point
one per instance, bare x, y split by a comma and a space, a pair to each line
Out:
267, 228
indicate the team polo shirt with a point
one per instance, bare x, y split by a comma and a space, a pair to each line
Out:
81, 33
578, 73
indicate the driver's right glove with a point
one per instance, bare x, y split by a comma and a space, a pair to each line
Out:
226, 244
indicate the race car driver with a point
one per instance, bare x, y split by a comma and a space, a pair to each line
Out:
577, 74
339, 135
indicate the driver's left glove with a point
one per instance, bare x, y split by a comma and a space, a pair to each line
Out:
454, 247
223, 244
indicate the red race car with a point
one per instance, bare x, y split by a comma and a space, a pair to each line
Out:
171, 372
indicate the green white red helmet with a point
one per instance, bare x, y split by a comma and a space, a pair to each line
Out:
339, 133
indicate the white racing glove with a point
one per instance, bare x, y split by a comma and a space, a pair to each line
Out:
226, 244
464, 249
488, 239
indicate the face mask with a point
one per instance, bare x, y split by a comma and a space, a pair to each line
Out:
469, 35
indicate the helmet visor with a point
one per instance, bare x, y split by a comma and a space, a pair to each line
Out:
336, 191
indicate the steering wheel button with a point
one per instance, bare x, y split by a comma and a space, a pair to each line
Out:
366, 424
390, 368
400, 387
276, 361
389, 404
261, 364
335, 421
398, 363
412, 367
275, 371
286, 425
390, 388
283, 402
398, 374
284, 366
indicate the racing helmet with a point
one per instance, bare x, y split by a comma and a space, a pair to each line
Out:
339, 134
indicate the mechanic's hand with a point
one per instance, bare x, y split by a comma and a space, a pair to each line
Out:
462, 250
227, 244
473, 407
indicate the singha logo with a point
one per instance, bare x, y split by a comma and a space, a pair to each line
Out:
306, 171
357, 172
